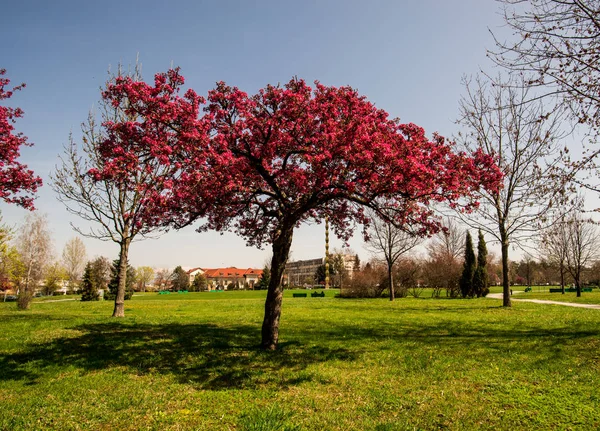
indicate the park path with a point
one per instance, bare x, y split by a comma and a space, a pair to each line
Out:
55, 300
544, 301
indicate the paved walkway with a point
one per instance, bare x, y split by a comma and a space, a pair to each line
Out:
544, 301
55, 300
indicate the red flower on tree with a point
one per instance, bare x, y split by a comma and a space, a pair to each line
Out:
262, 165
17, 183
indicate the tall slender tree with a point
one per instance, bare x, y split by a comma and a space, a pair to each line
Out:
466, 279
480, 277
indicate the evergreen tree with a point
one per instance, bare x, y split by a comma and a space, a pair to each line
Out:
199, 283
480, 284
320, 273
114, 281
265, 279
466, 279
180, 279
89, 285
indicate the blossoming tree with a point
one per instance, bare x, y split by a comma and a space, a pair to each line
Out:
17, 183
261, 165
113, 179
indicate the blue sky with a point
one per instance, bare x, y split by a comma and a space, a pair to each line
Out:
407, 57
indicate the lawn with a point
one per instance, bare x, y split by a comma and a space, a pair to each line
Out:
190, 361
592, 297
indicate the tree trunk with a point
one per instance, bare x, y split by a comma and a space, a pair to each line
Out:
578, 284
270, 326
562, 277
119, 310
391, 281
505, 281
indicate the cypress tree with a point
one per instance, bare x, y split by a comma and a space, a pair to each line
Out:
466, 279
89, 288
480, 284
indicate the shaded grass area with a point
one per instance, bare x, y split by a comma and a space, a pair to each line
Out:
192, 362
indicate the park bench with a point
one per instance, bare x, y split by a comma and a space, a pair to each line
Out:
528, 289
164, 292
570, 289
299, 295
182, 291
317, 295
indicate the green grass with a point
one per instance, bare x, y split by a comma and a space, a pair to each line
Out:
592, 297
191, 361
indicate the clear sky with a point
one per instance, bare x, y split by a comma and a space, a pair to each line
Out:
406, 56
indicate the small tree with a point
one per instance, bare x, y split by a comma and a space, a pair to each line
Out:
113, 284
466, 279
162, 279
390, 241
143, 276
18, 184
480, 278
74, 260
35, 247
199, 283
101, 273
583, 240
554, 245
180, 280
265, 279
55, 275
443, 269
89, 284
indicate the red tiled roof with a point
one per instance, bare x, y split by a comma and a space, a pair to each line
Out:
230, 272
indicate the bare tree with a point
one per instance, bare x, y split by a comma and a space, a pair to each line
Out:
162, 279
74, 259
34, 244
557, 43
445, 250
114, 206
523, 137
391, 242
582, 237
554, 246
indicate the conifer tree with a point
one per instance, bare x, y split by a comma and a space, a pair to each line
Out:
466, 279
89, 288
113, 285
480, 284
180, 279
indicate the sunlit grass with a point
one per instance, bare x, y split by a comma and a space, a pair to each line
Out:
191, 361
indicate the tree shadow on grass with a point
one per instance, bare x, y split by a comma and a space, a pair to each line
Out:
209, 356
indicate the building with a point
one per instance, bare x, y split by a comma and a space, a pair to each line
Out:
224, 278
302, 272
